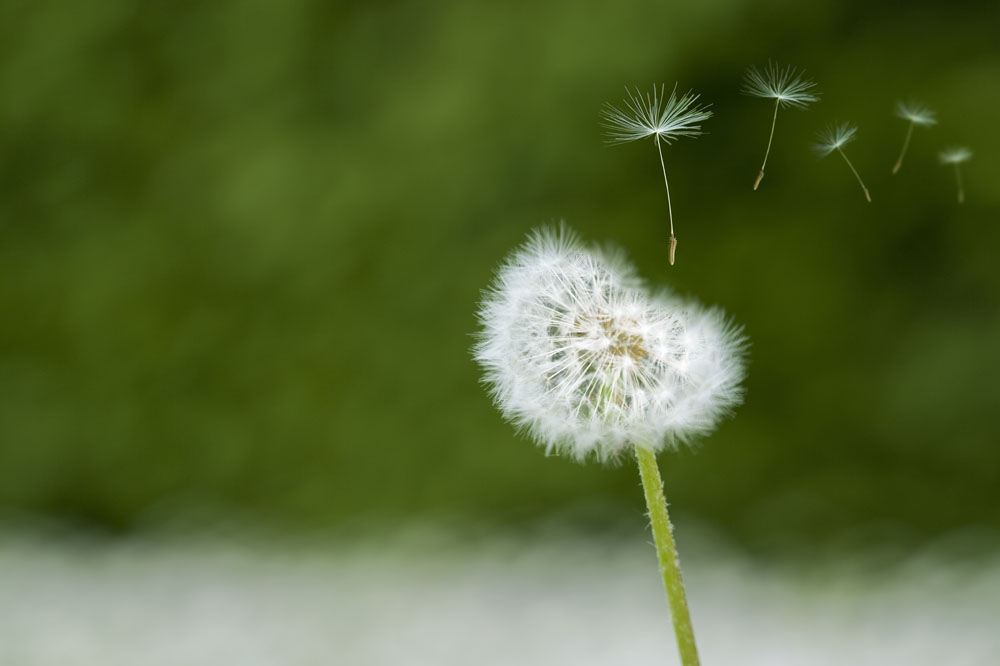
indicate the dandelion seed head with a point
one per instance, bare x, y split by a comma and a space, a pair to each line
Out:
916, 113
787, 85
653, 114
955, 155
834, 137
578, 353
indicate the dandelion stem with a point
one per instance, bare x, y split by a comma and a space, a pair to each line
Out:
958, 179
670, 210
666, 551
906, 144
774, 120
860, 182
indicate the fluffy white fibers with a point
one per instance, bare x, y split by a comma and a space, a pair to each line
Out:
581, 355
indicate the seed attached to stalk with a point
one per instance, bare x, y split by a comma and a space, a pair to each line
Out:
918, 115
788, 87
956, 156
663, 118
834, 138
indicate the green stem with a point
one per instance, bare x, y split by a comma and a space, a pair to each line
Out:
666, 551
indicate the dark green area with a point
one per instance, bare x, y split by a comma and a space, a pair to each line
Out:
241, 246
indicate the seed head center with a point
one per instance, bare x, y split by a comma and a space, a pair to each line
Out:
624, 342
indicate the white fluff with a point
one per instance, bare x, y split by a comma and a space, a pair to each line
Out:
955, 155
578, 353
787, 85
643, 115
916, 113
834, 137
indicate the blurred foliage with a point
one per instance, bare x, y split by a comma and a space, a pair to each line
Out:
241, 246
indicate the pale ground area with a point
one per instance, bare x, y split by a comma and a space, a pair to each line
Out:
562, 602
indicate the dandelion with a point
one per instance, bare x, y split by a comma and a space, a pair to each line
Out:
835, 137
787, 87
580, 355
664, 118
956, 155
916, 114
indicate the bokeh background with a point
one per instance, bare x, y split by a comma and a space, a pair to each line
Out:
242, 244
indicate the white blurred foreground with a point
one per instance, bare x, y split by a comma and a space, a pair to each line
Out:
513, 603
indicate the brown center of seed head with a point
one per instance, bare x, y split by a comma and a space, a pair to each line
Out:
620, 335
623, 341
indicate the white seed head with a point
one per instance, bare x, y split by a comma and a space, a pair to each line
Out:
916, 113
787, 85
644, 115
578, 353
833, 137
955, 155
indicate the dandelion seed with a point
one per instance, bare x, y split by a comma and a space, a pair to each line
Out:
788, 88
834, 138
956, 156
578, 353
665, 119
916, 114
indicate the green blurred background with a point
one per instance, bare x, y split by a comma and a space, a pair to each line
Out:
242, 243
